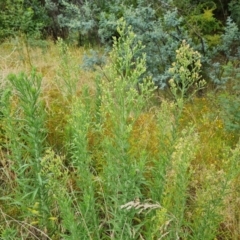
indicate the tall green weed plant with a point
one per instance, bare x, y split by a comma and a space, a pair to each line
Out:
186, 79
88, 225
68, 72
122, 98
24, 126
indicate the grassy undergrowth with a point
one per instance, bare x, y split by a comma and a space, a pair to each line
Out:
92, 156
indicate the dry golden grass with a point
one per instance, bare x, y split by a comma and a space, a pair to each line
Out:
17, 58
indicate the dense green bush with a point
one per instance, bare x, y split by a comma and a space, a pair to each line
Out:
234, 8
22, 17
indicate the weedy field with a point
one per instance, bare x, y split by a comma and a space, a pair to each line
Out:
100, 155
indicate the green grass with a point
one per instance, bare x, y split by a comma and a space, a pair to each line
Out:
85, 156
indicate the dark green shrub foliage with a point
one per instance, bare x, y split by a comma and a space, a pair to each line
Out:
21, 16
234, 8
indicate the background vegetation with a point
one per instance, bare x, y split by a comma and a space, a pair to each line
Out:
119, 119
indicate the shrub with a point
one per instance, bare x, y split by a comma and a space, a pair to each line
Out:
22, 17
234, 8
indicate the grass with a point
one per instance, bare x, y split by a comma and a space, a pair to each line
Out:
85, 156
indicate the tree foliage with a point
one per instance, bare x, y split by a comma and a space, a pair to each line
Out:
22, 16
